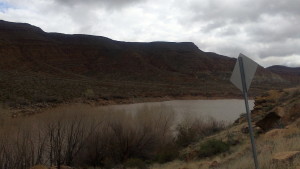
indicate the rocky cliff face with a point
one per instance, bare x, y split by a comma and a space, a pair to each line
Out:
275, 109
288, 73
36, 66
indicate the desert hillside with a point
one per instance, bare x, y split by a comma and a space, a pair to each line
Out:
37, 67
276, 125
288, 73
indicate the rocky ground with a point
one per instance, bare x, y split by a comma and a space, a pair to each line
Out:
277, 132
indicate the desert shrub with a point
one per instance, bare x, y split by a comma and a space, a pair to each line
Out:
139, 135
89, 94
15, 101
116, 136
135, 163
295, 93
212, 147
268, 108
265, 94
167, 153
108, 163
46, 99
104, 138
191, 130
186, 135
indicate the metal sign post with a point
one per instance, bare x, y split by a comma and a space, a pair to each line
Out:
241, 77
240, 59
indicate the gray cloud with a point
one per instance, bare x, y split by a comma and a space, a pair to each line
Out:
229, 31
266, 30
236, 11
278, 30
280, 49
111, 4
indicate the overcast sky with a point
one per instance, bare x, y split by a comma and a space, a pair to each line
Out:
268, 31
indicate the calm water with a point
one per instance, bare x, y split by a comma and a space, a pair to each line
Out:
227, 110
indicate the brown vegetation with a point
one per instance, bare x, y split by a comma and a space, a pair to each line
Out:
276, 146
103, 138
192, 129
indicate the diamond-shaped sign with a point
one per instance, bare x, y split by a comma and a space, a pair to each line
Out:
249, 69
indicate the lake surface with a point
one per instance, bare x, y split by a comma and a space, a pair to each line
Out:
226, 110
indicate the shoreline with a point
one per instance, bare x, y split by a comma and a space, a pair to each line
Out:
42, 107
103, 102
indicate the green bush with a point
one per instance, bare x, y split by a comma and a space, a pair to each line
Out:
135, 163
186, 135
191, 130
108, 163
89, 94
212, 147
167, 154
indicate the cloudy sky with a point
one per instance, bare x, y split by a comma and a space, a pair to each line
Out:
268, 31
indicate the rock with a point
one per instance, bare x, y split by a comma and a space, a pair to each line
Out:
214, 164
245, 130
258, 130
285, 157
259, 101
270, 121
292, 114
280, 111
204, 164
190, 155
39, 167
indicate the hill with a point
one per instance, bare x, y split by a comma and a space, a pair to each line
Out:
288, 73
39, 67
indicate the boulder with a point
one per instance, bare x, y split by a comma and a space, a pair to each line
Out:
245, 129
292, 113
270, 121
214, 164
285, 157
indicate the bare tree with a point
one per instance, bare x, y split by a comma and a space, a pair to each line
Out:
57, 139
76, 134
76, 140
96, 146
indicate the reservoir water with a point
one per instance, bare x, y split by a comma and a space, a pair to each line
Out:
226, 110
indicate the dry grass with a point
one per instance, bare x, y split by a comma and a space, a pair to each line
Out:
78, 137
85, 135
240, 156
191, 129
